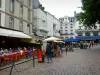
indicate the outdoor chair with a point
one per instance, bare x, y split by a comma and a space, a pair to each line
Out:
9, 58
23, 55
0, 60
18, 56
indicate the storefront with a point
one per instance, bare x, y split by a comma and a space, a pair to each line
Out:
14, 39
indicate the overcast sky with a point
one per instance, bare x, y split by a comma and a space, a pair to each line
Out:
60, 8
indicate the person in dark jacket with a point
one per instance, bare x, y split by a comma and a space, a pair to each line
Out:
67, 48
49, 52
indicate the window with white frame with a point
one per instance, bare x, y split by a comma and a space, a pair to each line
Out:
11, 5
21, 11
21, 26
28, 15
28, 28
0, 19
11, 22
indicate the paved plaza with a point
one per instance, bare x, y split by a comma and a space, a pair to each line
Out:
79, 62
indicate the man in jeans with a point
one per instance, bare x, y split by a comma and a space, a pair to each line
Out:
66, 48
49, 52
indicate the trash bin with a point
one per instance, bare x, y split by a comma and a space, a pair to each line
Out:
39, 54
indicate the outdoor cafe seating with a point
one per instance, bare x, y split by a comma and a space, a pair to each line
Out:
16, 56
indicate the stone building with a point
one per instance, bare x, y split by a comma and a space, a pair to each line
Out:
16, 24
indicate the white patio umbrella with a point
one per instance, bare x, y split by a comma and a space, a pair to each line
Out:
59, 41
51, 39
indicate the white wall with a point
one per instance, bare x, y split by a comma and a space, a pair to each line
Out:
50, 21
50, 24
57, 22
77, 24
3, 2
40, 21
39, 15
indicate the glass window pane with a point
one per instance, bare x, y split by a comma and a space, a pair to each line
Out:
0, 19
12, 5
11, 23
21, 26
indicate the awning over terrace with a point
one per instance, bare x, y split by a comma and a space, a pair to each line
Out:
12, 33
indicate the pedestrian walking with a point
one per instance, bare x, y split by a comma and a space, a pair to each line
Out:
89, 44
92, 43
58, 51
49, 52
66, 48
61, 51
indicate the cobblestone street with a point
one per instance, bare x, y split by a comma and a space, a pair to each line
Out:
79, 62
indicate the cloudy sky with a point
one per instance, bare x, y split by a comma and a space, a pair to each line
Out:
60, 8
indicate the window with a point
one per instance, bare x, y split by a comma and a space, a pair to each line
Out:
0, 19
71, 20
11, 23
79, 27
21, 26
54, 27
62, 19
21, 11
71, 30
71, 33
71, 27
11, 5
29, 3
28, 15
66, 33
0, 3
87, 34
79, 34
95, 33
28, 28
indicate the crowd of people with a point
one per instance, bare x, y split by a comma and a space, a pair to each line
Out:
5, 52
53, 50
12, 50
68, 47
86, 44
